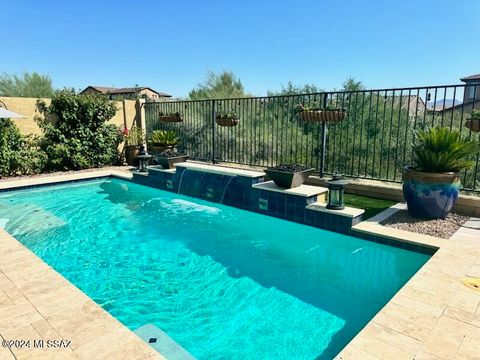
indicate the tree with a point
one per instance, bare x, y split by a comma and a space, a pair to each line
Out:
292, 89
218, 86
351, 85
26, 85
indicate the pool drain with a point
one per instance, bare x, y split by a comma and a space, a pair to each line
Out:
472, 282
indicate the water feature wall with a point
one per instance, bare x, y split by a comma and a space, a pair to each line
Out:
250, 193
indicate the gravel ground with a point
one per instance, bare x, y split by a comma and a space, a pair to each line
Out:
120, 168
440, 228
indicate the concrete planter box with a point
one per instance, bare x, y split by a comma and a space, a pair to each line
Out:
169, 162
289, 179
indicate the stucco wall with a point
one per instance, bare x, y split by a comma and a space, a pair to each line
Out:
126, 113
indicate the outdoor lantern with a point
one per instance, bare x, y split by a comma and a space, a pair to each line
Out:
336, 187
143, 159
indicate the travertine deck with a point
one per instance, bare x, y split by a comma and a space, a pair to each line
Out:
38, 303
434, 316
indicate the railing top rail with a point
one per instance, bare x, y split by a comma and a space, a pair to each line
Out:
430, 87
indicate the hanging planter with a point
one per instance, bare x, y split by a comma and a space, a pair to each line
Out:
227, 119
474, 122
171, 117
326, 115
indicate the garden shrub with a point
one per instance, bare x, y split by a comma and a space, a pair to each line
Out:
77, 136
10, 147
33, 158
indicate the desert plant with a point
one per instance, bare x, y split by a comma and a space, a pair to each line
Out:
164, 138
173, 113
134, 136
227, 115
318, 107
475, 115
439, 150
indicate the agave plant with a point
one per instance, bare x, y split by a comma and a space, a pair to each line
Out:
442, 150
163, 138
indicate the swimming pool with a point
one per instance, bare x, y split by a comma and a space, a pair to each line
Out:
222, 282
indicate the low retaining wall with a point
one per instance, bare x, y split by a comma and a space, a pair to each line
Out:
467, 205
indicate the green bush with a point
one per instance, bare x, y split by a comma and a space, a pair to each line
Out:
76, 135
439, 149
33, 158
10, 147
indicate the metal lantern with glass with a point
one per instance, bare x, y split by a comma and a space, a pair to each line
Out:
143, 159
336, 188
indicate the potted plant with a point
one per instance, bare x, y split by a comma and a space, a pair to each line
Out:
133, 139
289, 176
473, 123
170, 117
168, 158
431, 185
227, 118
315, 113
161, 140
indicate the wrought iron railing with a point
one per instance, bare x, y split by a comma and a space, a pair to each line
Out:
374, 141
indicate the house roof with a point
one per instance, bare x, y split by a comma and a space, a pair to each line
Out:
129, 90
471, 77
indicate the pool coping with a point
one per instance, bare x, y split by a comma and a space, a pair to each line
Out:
433, 316
37, 302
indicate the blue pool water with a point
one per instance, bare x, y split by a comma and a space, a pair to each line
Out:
222, 282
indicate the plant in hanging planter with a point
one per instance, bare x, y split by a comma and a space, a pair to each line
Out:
168, 158
161, 140
227, 118
289, 176
170, 117
133, 139
315, 112
473, 123
431, 184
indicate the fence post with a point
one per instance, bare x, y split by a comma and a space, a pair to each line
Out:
213, 132
324, 139
140, 120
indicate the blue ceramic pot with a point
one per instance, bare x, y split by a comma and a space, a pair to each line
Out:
430, 195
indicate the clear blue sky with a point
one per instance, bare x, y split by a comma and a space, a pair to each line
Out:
170, 45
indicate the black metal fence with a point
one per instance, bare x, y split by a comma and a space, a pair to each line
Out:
374, 141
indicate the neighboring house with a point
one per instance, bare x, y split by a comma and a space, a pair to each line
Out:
472, 90
442, 105
471, 97
126, 93
412, 103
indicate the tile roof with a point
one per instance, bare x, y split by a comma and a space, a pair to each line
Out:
127, 90
471, 77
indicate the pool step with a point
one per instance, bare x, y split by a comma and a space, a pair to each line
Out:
162, 343
347, 211
310, 193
